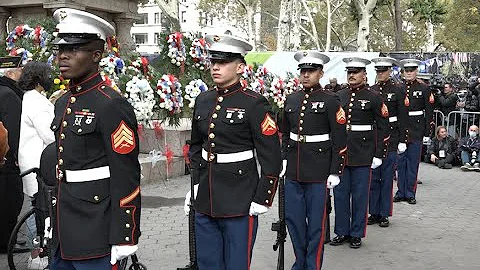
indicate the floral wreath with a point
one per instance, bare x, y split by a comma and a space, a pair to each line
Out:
141, 96
38, 35
112, 65
193, 89
291, 86
199, 53
276, 93
170, 93
176, 48
140, 67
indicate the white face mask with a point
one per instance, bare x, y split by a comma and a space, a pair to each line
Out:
472, 134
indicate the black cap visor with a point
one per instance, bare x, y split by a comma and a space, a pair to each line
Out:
67, 39
381, 68
410, 69
225, 56
355, 69
310, 66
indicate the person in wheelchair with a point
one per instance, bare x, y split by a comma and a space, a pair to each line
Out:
441, 151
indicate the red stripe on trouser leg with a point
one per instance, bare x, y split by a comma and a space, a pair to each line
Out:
115, 266
322, 237
251, 219
366, 210
418, 167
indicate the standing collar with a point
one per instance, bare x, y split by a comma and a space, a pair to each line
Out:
312, 89
86, 84
229, 89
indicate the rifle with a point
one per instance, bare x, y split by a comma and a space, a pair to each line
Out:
327, 221
280, 226
192, 265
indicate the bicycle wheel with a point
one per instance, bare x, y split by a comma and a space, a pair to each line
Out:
29, 254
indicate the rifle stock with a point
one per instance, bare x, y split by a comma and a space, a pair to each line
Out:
280, 226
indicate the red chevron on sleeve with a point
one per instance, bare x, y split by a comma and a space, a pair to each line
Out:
123, 139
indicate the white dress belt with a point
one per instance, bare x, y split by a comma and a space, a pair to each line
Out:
227, 158
392, 119
360, 127
309, 138
87, 175
415, 113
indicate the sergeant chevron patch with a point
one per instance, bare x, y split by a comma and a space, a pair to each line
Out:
123, 139
407, 101
431, 99
384, 110
341, 119
268, 125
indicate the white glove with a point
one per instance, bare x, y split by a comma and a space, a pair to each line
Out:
333, 180
427, 140
284, 168
120, 252
186, 206
402, 147
257, 209
47, 232
376, 162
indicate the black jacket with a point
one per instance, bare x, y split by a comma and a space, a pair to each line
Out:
10, 115
313, 112
395, 98
98, 200
365, 107
449, 145
469, 144
229, 121
420, 98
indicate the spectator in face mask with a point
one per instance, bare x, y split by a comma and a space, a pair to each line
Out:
469, 150
441, 151
37, 115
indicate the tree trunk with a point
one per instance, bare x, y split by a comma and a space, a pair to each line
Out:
283, 25
251, 37
312, 24
170, 11
398, 26
365, 13
258, 25
295, 38
329, 26
431, 36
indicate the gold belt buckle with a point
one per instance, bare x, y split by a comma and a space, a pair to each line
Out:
301, 138
349, 127
211, 157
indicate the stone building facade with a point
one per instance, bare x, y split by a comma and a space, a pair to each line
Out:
120, 13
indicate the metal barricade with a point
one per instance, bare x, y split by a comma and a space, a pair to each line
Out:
460, 121
439, 118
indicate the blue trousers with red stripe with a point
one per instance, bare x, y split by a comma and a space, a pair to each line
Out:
102, 263
381, 193
305, 207
225, 243
351, 201
408, 163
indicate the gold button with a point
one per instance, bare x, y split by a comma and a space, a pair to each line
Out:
79, 130
212, 144
320, 149
60, 162
211, 135
240, 171
214, 116
353, 94
96, 198
69, 111
220, 99
271, 182
269, 192
231, 121
218, 107
349, 110
266, 201
352, 99
127, 211
300, 128
351, 104
303, 108
212, 125
60, 149
73, 99
307, 96
64, 124
62, 136
79, 88
127, 238
211, 157
127, 225
305, 102
302, 114
103, 87
301, 121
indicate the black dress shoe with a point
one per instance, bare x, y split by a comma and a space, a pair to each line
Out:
412, 201
340, 240
419, 182
373, 219
384, 222
398, 199
356, 242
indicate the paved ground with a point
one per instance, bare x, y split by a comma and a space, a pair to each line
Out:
441, 232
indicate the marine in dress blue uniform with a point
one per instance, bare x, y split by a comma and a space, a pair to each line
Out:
381, 186
419, 102
230, 123
314, 150
98, 173
367, 141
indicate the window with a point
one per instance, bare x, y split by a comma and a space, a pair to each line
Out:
140, 38
156, 18
143, 19
156, 38
184, 16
